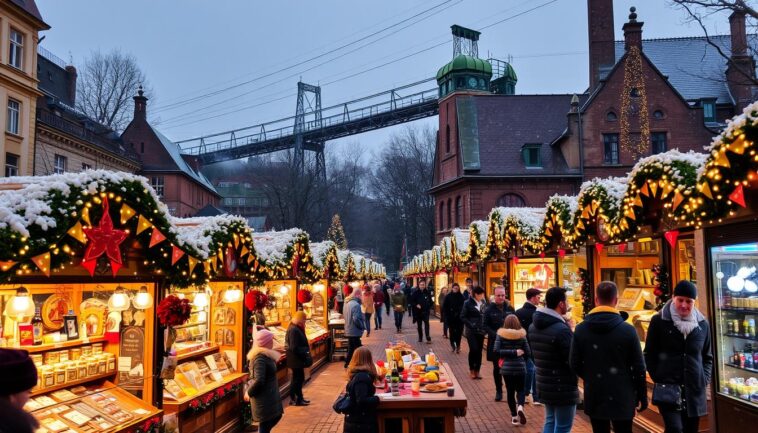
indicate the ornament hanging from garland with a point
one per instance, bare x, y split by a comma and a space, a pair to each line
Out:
103, 239
662, 290
634, 104
304, 296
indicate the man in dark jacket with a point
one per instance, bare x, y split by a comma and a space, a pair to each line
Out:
550, 340
607, 355
407, 292
494, 316
298, 357
451, 310
525, 315
472, 316
422, 302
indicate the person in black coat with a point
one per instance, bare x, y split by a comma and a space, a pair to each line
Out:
362, 373
550, 340
494, 317
678, 352
422, 302
512, 350
17, 380
298, 357
606, 353
451, 307
263, 386
472, 316
525, 314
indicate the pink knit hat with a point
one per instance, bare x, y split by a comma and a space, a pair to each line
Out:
263, 338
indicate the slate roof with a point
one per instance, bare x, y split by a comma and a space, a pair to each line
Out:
693, 66
30, 7
257, 223
53, 79
508, 122
179, 162
210, 210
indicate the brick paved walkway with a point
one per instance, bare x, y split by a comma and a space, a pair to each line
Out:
483, 414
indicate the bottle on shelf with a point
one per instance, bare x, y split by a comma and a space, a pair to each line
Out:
38, 327
395, 385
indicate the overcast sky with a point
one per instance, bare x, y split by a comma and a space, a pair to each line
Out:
189, 48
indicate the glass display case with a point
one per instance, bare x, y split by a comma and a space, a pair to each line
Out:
530, 273
193, 335
735, 281
569, 278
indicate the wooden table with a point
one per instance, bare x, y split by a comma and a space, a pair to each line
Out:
422, 413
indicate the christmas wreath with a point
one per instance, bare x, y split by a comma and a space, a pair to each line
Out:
173, 311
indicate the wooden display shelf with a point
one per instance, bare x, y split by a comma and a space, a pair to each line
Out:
740, 309
751, 370
196, 353
741, 336
72, 383
62, 345
181, 404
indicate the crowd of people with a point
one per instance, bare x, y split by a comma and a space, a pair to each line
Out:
536, 351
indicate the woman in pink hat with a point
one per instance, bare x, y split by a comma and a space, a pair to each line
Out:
263, 388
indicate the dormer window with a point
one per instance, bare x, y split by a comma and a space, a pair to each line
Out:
709, 110
531, 154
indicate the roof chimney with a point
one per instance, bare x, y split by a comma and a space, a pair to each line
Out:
600, 25
71, 77
740, 74
140, 104
739, 36
633, 31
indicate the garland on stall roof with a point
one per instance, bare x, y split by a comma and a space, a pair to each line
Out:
586, 291
204, 402
662, 290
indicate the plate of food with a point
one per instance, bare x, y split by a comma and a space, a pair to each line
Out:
434, 387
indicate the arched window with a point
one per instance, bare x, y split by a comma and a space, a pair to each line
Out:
511, 200
449, 213
611, 116
458, 211
442, 216
447, 139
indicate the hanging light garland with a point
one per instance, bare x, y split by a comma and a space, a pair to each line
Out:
634, 82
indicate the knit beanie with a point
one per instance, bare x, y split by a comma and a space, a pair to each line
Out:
685, 288
263, 338
18, 371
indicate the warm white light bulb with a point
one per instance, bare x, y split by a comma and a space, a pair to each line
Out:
284, 289
21, 303
201, 300
232, 295
719, 275
143, 300
318, 287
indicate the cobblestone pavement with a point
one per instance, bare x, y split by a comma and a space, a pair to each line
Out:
483, 413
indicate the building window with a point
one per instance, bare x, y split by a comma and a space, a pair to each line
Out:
611, 149
449, 213
658, 114
59, 165
157, 183
658, 142
511, 200
709, 111
14, 113
447, 138
16, 52
86, 166
531, 155
11, 165
611, 116
458, 211
442, 215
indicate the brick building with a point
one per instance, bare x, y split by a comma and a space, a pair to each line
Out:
501, 149
66, 139
20, 24
176, 178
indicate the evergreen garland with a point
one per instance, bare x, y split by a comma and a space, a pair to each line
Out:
586, 291
662, 290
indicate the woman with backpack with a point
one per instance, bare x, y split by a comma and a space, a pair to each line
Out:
513, 349
361, 418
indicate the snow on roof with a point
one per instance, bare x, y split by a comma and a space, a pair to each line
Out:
483, 228
462, 238
735, 124
694, 159
272, 245
319, 250
198, 231
529, 219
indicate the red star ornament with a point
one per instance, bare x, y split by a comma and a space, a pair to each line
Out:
103, 239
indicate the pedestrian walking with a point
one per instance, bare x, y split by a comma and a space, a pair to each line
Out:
378, 305
607, 355
472, 315
18, 378
367, 307
362, 375
263, 386
468, 289
298, 357
407, 290
524, 315
451, 309
423, 303
512, 351
387, 291
550, 341
399, 304
494, 317
679, 360
355, 323
440, 301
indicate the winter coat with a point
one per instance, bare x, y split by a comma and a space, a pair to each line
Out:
494, 317
15, 420
368, 303
263, 387
386, 295
355, 323
399, 302
451, 308
606, 353
507, 342
472, 318
296, 346
525, 315
378, 300
673, 359
440, 301
550, 341
362, 418
424, 299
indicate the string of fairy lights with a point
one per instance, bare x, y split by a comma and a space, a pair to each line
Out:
634, 106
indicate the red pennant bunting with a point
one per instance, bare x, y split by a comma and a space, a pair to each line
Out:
542, 255
671, 236
115, 266
176, 254
738, 196
561, 253
515, 260
156, 237
90, 266
599, 247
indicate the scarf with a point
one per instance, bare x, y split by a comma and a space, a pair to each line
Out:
685, 325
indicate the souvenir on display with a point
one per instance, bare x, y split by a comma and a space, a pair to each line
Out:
54, 309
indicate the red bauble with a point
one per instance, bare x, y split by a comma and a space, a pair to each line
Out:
255, 300
304, 296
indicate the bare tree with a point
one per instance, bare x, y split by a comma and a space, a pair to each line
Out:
108, 81
698, 10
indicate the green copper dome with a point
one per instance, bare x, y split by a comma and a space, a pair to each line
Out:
464, 63
509, 73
